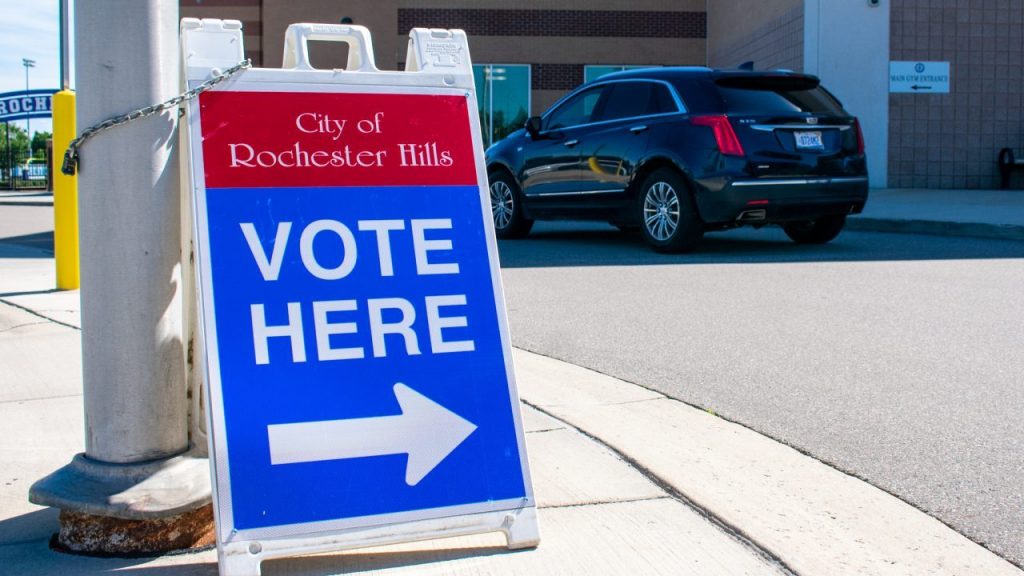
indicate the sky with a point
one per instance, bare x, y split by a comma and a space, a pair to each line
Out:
30, 29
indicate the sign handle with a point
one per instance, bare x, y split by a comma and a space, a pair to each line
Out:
360, 48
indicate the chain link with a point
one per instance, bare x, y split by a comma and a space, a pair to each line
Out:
72, 156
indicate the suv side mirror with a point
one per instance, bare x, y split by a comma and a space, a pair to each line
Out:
533, 126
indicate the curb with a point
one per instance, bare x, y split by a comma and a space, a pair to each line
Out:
937, 228
24, 203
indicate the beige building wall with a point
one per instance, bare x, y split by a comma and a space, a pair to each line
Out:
768, 32
952, 140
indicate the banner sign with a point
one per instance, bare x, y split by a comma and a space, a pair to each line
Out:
26, 105
359, 368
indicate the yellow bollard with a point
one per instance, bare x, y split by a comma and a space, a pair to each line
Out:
65, 194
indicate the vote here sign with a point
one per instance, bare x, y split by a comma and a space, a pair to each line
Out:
352, 312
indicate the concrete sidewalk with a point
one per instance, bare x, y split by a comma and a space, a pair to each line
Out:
977, 213
26, 198
628, 480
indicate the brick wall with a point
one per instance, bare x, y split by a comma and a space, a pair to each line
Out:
558, 43
556, 76
776, 43
580, 23
951, 140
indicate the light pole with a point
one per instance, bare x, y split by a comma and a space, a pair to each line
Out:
27, 63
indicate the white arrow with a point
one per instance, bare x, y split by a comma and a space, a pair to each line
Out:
425, 430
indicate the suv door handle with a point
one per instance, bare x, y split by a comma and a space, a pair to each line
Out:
638, 129
570, 143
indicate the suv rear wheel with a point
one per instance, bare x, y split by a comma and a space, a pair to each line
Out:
668, 217
817, 231
507, 207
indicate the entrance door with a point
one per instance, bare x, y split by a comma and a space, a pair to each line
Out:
503, 98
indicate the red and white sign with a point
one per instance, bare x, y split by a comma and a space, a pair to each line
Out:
263, 139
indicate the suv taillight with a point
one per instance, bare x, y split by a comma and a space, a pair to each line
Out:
860, 137
725, 136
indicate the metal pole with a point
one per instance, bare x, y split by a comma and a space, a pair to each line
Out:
65, 45
27, 63
10, 171
10, 159
136, 413
65, 195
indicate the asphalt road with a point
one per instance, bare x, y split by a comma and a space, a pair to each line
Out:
896, 358
25, 224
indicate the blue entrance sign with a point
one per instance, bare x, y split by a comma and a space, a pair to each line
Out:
26, 104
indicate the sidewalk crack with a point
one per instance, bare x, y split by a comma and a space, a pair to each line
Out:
43, 399
603, 502
37, 314
16, 326
733, 531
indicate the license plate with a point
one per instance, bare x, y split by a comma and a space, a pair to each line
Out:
808, 140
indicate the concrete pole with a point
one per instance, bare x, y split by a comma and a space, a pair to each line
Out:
136, 410
127, 54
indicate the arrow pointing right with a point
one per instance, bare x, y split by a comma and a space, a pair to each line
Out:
425, 430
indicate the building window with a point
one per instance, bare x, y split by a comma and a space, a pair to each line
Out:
502, 97
593, 72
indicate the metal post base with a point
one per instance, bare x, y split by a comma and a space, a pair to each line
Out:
148, 507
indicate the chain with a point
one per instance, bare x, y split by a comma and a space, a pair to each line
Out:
72, 156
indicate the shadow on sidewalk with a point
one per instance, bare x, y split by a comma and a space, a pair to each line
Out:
29, 293
360, 562
38, 525
39, 245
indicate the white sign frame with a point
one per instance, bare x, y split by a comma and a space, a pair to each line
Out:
437, 64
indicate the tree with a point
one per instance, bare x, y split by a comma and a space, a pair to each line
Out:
39, 144
15, 151
19, 141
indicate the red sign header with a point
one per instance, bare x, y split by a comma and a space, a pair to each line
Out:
280, 139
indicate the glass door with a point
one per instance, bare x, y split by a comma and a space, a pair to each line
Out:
502, 97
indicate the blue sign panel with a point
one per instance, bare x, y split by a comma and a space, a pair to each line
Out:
361, 363
26, 104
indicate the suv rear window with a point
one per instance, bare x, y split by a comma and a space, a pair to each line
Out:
766, 95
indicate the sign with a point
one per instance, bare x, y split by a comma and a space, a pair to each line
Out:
919, 77
359, 364
26, 104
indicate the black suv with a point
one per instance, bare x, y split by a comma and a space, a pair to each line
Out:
680, 151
